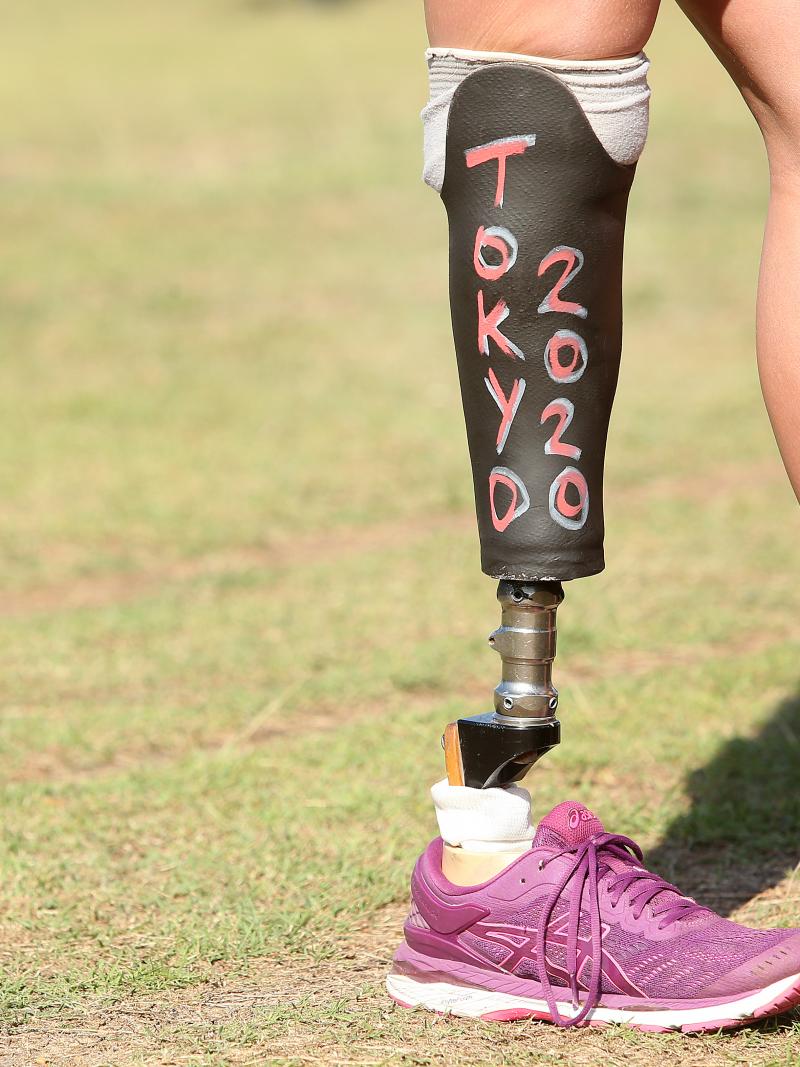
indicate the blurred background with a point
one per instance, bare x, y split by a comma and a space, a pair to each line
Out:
239, 581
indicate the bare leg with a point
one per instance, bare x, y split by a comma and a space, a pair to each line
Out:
757, 43
569, 29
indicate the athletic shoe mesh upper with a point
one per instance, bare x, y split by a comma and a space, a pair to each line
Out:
633, 935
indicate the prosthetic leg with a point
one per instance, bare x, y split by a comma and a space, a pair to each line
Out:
536, 211
564, 924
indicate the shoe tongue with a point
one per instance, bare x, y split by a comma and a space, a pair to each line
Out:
567, 825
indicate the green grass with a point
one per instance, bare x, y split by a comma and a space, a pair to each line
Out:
241, 594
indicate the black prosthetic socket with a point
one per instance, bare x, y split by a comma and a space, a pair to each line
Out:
536, 209
501, 746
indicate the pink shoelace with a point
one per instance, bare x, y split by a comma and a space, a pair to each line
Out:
590, 865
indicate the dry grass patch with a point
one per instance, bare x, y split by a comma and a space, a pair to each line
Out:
336, 1011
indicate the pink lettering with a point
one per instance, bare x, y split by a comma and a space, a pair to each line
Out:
570, 516
572, 258
565, 372
500, 150
563, 410
508, 405
519, 503
502, 241
489, 327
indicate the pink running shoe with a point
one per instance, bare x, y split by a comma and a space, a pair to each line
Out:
576, 931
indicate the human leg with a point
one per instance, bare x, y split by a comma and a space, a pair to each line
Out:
570, 29
757, 43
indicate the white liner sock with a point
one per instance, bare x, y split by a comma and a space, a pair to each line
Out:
483, 820
613, 93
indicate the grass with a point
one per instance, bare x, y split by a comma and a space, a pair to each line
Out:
241, 594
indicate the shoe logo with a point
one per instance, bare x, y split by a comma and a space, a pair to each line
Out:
577, 816
521, 945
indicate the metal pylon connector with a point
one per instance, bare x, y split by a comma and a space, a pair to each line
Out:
526, 642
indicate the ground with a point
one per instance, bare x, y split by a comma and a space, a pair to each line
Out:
240, 584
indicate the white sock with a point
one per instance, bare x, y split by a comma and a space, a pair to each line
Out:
613, 93
483, 820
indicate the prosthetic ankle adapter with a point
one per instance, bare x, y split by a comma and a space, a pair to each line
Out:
536, 211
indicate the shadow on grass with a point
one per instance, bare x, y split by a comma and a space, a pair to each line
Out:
741, 834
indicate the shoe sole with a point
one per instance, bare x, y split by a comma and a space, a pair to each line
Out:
472, 1002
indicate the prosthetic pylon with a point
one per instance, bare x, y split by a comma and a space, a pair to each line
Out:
501, 746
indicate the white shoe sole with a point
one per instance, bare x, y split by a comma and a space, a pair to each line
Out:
473, 1003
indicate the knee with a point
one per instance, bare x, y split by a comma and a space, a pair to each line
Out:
783, 152
776, 109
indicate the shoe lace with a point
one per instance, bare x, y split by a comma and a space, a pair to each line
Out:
640, 887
